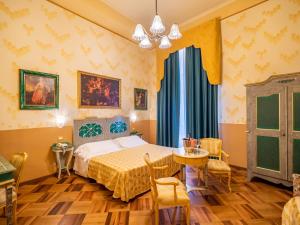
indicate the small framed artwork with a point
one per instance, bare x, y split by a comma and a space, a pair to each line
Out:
97, 91
140, 99
38, 91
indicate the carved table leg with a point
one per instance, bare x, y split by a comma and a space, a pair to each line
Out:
206, 175
70, 153
9, 205
58, 164
183, 174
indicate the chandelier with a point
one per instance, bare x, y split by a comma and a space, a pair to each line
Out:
157, 33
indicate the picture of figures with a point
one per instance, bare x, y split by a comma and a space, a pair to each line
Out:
140, 99
98, 91
38, 90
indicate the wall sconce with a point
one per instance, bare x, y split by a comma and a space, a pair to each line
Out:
133, 119
60, 121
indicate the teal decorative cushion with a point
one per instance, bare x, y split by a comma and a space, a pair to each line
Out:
90, 130
118, 127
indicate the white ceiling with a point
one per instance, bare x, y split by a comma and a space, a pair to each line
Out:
171, 11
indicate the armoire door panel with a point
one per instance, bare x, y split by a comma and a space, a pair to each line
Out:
268, 153
296, 156
293, 130
268, 112
296, 111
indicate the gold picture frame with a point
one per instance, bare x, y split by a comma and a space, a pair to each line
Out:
98, 91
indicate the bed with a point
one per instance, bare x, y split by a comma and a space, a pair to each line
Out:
105, 152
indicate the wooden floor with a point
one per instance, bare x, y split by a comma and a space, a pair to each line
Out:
74, 200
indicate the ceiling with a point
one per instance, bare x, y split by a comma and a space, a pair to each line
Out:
171, 11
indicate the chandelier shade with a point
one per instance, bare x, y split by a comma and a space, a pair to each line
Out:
174, 32
145, 43
157, 33
157, 26
165, 43
138, 34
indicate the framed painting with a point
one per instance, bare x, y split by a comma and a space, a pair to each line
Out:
140, 99
38, 91
97, 91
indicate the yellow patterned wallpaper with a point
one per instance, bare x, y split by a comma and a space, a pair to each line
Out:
37, 35
257, 43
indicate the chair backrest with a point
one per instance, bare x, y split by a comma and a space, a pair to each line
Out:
18, 161
152, 175
296, 184
212, 145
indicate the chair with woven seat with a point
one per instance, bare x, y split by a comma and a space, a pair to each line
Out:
17, 161
167, 191
218, 163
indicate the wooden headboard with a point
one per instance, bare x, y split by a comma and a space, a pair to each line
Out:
98, 129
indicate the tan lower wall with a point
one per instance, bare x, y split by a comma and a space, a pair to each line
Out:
37, 141
235, 142
152, 137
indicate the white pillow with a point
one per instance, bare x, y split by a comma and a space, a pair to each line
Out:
97, 148
130, 141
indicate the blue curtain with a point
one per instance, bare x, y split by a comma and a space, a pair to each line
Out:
168, 99
201, 98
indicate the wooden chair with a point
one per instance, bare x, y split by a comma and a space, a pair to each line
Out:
17, 161
167, 191
218, 163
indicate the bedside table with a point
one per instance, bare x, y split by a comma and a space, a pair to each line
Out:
63, 155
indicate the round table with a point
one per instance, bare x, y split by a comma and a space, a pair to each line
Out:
198, 158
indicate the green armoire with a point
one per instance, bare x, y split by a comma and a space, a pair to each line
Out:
273, 128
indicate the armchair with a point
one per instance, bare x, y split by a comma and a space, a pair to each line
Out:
291, 210
167, 191
218, 163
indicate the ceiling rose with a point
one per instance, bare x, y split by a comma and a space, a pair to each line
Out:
157, 33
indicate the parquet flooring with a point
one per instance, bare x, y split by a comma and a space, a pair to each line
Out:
77, 201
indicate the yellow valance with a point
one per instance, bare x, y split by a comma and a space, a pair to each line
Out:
206, 36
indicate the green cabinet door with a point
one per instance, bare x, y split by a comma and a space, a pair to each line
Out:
268, 112
268, 153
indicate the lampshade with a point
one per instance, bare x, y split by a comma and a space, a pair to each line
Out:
138, 34
145, 43
60, 121
157, 26
174, 32
165, 42
133, 117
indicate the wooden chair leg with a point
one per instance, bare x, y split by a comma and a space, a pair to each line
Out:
156, 214
174, 215
14, 212
199, 177
188, 214
229, 180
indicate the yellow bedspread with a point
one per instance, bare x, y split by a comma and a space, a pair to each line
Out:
291, 212
125, 172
